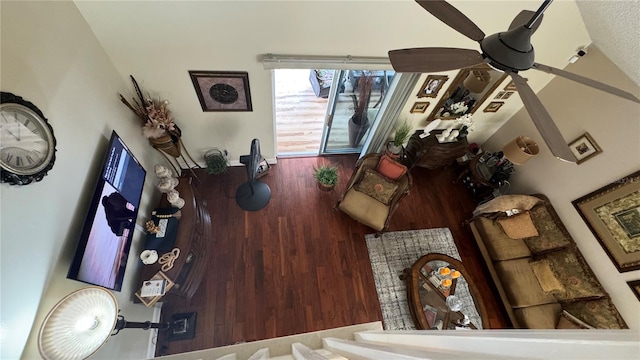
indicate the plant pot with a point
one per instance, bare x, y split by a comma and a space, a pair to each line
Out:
217, 161
166, 144
325, 187
393, 151
356, 132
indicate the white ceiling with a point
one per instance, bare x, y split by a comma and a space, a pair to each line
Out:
160, 41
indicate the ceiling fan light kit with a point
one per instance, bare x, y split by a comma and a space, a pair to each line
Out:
510, 51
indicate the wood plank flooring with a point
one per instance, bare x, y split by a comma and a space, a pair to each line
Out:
299, 265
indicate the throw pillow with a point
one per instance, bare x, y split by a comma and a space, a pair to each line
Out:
548, 281
552, 236
377, 186
518, 226
390, 169
507, 202
573, 272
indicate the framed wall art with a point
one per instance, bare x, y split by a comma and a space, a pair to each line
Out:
511, 86
635, 287
493, 106
222, 90
584, 148
612, 213
419, 107
432, 85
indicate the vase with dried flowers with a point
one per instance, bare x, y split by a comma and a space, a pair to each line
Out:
157, 123
359, 121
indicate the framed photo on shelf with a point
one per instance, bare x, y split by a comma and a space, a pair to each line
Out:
584, 148
222, 90
612, 213
432, 85
419, 107
635, 287
493, 106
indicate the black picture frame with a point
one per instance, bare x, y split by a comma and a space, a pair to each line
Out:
222, 90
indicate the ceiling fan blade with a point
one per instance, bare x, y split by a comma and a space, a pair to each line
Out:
586, 81
523, 18
425, 60
451, 16
542, 120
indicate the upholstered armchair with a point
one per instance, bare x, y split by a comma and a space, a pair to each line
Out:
371, 198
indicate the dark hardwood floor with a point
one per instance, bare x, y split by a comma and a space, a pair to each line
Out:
299, 265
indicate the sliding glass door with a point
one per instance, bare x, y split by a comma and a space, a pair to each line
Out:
353, 104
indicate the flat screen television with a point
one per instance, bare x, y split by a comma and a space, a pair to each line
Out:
103, 248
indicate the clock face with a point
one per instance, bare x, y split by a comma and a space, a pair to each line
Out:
27, 145
224, 93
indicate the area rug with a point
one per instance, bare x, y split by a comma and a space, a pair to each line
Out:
393, 252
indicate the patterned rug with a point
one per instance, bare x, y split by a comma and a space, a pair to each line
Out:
393, 252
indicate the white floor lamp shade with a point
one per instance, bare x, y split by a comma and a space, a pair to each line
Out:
79, 324
521, 150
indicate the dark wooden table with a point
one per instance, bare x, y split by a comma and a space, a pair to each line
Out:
427, 300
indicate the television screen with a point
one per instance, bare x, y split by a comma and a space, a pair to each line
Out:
103, 248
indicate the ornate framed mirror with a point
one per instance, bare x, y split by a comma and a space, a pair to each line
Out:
469, 89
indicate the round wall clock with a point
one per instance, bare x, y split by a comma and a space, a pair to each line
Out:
27, 143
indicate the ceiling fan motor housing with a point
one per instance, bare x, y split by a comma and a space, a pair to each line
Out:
510, 50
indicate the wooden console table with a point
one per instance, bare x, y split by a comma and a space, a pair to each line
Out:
194, 232
431, 154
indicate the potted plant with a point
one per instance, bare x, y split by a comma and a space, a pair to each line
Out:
359, 121
326, 176
394, 147
217, 161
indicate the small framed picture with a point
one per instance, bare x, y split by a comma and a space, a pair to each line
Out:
511, 86
493, 106
499, 95
635, 288
222, 90
507, 94
584, 148
419, 107
432, 85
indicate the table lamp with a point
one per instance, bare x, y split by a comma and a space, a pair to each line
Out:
520, 150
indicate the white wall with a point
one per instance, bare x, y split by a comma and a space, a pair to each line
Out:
51, 58
614, 123
159, 41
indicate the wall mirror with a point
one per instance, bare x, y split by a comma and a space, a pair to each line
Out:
470, 88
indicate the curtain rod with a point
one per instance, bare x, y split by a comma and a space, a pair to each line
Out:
274, 61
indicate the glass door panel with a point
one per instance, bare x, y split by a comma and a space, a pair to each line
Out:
357, 94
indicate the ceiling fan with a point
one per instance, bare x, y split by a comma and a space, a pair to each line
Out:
509, 51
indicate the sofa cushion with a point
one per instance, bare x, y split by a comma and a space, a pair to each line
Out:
568, 321
551, 234
521, 285
518, 226
575, 275
499, 245
362, 208
390, 169
377, 186
601, 313
538, 317
546, 278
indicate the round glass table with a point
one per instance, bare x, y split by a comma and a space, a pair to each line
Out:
442, 296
